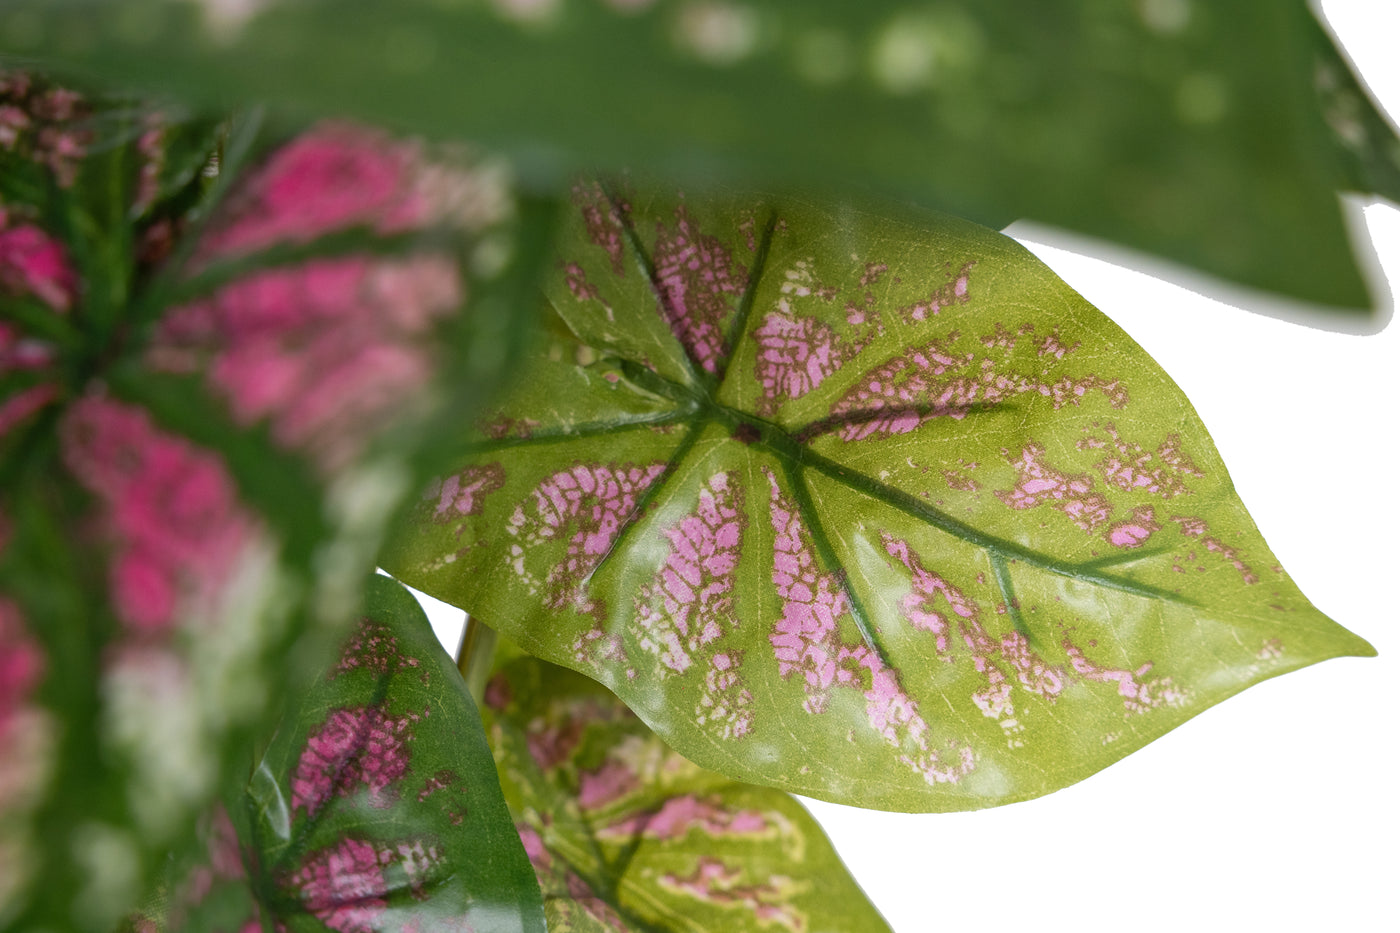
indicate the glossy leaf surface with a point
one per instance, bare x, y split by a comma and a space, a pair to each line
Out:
1187, 129
375, 808
871, 509
207, 414
626, 835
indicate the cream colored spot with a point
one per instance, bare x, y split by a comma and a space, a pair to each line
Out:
225, 19
717, 33
529, 12
913, 52
1165, 17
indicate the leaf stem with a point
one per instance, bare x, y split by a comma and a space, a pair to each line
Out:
474, 655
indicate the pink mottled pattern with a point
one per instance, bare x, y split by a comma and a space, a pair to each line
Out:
592, 502
690, 605
353, 749
26, 730
335, 177
1007, 661
21, 662
328, 351
680, 816
805, 638
937, 380
344, 886
1129, 467
44, 123
462, 493
1134, 531
795, 355
169, 506
576, 278
768, 902
955, 290
33, 263
1138, 695
605, 784
697, 277
725, 708
1052, 345
18, 408
374, 648
1038, 483
567, 897
19, 352
1196, 528
601, 221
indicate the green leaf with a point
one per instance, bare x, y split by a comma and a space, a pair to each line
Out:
872, 509
376, 806
1188, 130
626, 835
1364, 138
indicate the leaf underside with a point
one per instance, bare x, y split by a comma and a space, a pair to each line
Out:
1198, 132
875, 510
626, 835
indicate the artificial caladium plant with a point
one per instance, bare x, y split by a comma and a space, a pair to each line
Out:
835, 497
876, 511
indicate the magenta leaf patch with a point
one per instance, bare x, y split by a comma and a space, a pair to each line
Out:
875, 511
627, 836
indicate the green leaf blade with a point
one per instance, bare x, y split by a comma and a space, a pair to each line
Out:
628, 836
943, 537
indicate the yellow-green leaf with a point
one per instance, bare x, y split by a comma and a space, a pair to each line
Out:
873, 509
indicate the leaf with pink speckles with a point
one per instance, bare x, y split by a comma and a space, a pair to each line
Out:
871, 508
375, 808
212, 394
627, 836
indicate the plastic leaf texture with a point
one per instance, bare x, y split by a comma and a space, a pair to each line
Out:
218, 377
626, 835
1190, 130
376, 806
872, 509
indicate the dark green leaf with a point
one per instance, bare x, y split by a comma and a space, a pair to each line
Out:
1187, 129
872, 509
626, 835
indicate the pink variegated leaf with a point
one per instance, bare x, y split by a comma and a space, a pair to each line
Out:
873, 509
375, 808
212, 395
627, 836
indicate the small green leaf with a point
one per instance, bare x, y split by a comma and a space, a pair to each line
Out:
376, 806
626, 835
872, 509
1190, 130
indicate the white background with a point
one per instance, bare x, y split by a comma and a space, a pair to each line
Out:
1276, 810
